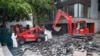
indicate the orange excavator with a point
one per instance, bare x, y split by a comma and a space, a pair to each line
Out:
77, 29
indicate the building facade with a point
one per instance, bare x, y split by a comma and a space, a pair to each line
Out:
75, 8
81, 10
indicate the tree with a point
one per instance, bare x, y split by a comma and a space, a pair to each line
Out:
14, 10
20, 9
41, 9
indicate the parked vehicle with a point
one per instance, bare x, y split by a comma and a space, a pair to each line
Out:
28, 34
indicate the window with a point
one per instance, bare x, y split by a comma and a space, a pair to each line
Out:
89, 12
81, 25
62, 0
76, 10
71, 10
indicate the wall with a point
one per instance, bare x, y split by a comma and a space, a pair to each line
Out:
94, 9
96, 27
99, 15
23, 23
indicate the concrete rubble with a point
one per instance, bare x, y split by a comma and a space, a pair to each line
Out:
58, 46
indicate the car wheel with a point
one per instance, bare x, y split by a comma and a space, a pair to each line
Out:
39, 39
21, 41
90, 38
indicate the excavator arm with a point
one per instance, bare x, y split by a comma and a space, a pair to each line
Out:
32, 30
67, 17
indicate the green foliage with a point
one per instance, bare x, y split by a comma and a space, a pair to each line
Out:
14, 10
41, 9
19, 9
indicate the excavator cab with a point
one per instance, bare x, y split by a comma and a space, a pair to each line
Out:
80, 27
